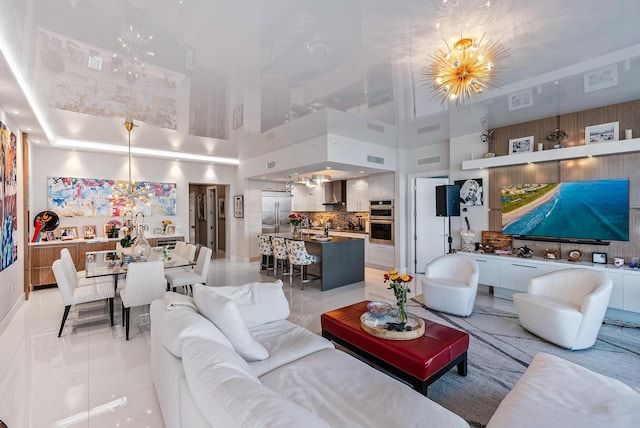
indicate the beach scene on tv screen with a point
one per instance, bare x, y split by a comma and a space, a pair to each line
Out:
596, 209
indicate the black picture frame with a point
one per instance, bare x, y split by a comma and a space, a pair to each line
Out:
599, 258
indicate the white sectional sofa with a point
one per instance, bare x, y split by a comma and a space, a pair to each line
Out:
229, 358
554, 392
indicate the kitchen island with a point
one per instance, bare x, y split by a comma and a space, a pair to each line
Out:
341, 259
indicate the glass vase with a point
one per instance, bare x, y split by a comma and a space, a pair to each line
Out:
401, 303
141, 248
296, 230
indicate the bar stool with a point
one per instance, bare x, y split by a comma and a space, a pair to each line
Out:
266, 253
298, 256
280, 255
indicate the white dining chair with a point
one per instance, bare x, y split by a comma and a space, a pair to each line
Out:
65, 255
266, 253
179, 248
74, 295
144, 283
196, 276
189, 252
79, 277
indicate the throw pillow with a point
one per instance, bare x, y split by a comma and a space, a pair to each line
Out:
259, 302
224, 313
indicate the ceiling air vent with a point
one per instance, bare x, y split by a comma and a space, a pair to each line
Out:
375, 127
375, 159
271, 165
429, 161
271, 136
431, 128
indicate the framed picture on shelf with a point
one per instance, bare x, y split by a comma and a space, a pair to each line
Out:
171, 229
600, 258
238, 206
144, 227
521, 145
89, 232
68, 233
602, 133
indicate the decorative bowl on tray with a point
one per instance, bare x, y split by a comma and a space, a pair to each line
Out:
322, 238
378, 309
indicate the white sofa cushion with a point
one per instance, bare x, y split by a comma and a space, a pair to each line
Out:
227, 396
554, 392
173, 326
224, 313
258, 302
286, 342
345, 392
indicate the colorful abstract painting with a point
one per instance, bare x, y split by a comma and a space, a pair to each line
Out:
92, 197
9, 195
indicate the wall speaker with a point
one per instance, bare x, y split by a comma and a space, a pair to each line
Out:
447, 200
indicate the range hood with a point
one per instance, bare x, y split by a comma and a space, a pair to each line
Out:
335, 192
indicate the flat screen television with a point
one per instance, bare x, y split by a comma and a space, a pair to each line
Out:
587, 210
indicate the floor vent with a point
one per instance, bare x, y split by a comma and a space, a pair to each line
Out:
375, 127
431, 128
271, 165
429, 161
375, 159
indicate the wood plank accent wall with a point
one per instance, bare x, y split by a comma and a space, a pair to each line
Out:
625, 165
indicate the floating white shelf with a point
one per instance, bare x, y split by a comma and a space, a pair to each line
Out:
599, 149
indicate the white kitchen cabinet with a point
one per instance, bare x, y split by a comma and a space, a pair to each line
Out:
299, 197
381, 256
382, 186
357, 194
307, 199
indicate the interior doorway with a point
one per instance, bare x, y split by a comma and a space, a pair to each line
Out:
430, 232
207, 217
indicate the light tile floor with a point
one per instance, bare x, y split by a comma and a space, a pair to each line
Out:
92, 377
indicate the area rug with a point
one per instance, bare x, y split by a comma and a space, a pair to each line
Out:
500, 350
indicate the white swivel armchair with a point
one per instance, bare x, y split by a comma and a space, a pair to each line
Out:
450, 284
144, 283
565, 307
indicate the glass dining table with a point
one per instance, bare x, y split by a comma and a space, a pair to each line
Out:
110, 263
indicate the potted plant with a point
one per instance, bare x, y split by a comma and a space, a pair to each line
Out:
114, 228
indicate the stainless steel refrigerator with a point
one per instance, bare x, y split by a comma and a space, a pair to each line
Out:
276, 207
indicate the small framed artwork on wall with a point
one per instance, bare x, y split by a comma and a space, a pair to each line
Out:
238, 206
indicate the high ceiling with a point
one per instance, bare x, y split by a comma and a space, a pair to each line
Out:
181, 68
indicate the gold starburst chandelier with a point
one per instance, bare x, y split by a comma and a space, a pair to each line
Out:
466, 70
132, 192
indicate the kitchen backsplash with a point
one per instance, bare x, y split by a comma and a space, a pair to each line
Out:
339, 218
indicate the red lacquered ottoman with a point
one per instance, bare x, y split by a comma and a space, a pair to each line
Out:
419, 361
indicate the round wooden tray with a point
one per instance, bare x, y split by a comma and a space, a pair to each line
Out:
375, 327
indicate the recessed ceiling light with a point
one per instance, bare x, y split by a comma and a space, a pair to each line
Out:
327, 167
264, 177
361, 172
16, 112
28, 129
